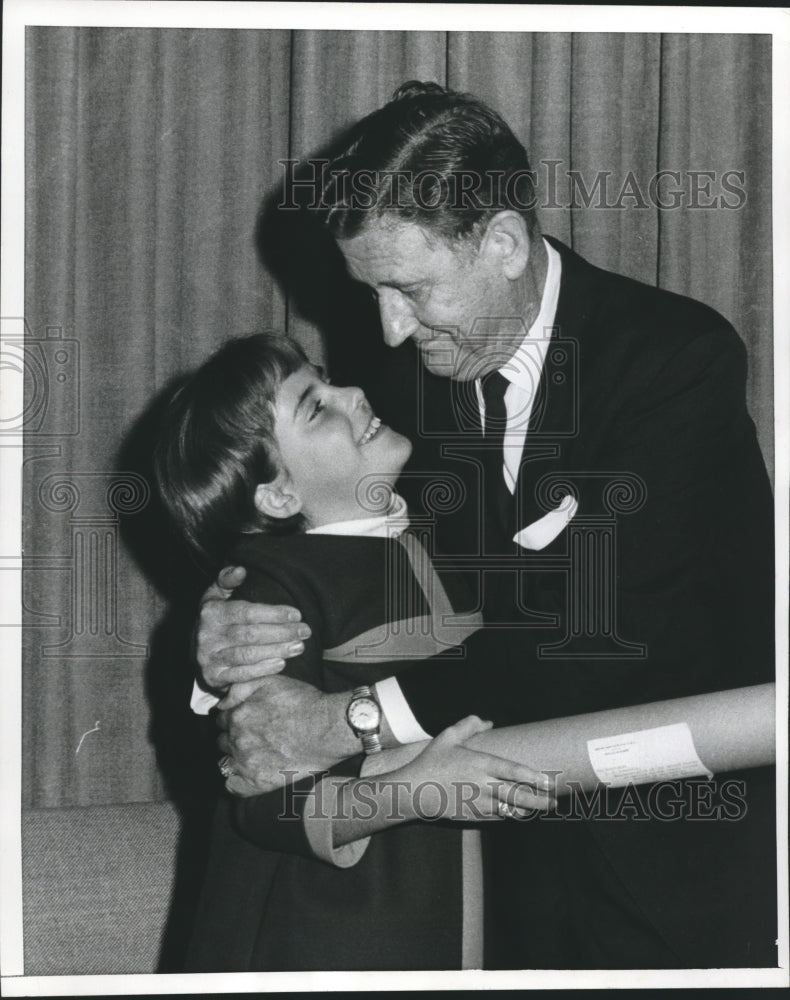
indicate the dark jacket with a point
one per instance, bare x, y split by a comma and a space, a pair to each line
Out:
267, 903
661, 586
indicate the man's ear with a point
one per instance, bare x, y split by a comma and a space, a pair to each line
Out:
506, 240
277, 499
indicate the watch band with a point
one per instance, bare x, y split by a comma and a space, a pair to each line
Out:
371, 743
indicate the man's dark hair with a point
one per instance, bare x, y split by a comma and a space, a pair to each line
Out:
217, 443
432, 156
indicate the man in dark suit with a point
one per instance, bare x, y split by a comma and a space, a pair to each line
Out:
600, 479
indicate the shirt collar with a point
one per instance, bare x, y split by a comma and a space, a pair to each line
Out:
520, 369
388, 525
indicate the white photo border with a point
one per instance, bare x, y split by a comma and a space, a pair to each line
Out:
17, 15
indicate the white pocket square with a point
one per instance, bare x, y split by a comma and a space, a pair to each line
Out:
538, 534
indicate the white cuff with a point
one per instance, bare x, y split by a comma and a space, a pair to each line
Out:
320, 811
202, 701
405, 728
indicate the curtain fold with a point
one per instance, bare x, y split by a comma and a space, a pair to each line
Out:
614, 139
722, 255
150, 157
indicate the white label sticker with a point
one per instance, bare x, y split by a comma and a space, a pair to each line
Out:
649, 755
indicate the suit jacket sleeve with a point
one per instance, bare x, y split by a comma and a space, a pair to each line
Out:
694, 565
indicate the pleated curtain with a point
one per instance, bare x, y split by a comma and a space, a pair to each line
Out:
148, 156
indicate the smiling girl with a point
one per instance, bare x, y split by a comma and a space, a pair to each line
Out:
263, 462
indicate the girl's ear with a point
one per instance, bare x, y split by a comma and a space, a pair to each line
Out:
277, 498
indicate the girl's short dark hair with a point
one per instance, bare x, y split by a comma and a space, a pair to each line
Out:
217, 443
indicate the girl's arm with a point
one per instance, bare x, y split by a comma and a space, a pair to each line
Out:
446, 780
332, 816
727, 730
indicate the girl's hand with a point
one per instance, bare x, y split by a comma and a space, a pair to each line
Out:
449, 781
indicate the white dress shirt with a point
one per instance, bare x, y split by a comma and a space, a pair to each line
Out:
523, 371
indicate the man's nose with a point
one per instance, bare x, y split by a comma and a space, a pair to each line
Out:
398, 322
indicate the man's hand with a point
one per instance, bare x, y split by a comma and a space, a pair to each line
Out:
283, 731
242, 642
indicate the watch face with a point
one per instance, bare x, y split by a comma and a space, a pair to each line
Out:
364, 714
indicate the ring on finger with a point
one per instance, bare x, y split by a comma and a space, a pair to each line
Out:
506, 811
225, 765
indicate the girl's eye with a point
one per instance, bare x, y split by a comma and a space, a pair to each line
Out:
316, 409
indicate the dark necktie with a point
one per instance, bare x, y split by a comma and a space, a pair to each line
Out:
496, 496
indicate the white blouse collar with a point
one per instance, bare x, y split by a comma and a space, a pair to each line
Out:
387, 525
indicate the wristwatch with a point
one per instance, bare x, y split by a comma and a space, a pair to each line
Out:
364, 716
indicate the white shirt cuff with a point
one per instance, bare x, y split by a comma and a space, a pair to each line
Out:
405, 728
320, 812
202, 701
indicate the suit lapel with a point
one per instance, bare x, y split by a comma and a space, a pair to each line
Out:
554, 425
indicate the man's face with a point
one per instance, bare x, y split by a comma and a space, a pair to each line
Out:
329, 441
443, 297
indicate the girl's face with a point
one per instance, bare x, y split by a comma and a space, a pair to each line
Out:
334, 452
